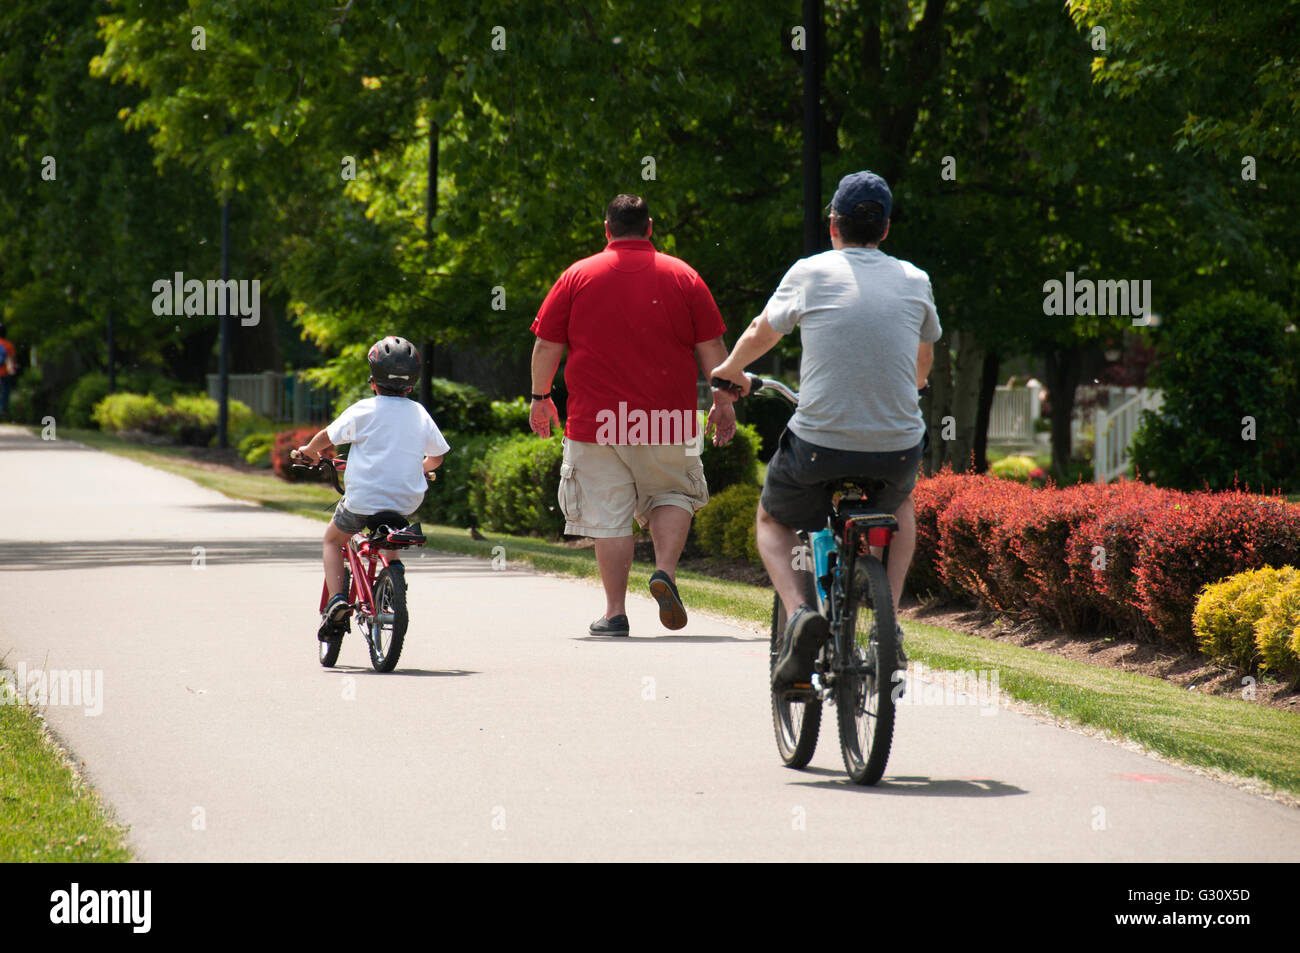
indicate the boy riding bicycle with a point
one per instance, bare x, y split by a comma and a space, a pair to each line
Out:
396, 446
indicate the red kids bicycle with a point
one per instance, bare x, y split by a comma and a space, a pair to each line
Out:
376, 585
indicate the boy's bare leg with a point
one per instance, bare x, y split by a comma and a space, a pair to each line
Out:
332, 552
614, 559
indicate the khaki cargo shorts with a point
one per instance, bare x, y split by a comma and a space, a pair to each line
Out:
603, 487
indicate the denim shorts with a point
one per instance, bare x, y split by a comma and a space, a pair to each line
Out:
801, 479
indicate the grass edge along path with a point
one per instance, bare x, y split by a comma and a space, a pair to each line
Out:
1253, 744
47, 810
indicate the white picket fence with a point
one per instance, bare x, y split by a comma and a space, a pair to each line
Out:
276, 395
1114, 430
1012, 416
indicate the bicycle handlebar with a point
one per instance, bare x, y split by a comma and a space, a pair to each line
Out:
331, 466
757, 384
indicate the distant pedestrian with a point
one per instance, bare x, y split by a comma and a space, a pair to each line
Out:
636, 324
8, 368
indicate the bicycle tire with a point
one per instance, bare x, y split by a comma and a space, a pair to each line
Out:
390, 598
796, 722
864, 703
329, 651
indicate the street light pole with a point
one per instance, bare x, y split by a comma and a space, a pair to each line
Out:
812, 163
223, 346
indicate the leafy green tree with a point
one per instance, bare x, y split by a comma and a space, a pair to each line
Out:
1228, 368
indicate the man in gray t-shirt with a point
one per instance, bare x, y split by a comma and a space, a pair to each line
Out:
867, 328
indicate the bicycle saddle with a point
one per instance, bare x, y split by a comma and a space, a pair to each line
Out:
386, 519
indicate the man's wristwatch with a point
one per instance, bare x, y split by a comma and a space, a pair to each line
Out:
546, 396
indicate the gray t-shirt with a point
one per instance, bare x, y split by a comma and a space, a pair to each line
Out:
862, 315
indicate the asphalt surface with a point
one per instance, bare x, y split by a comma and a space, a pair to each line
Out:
507, 732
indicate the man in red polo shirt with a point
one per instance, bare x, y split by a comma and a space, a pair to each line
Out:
637, 324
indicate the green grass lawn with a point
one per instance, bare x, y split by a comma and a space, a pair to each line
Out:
46, 813
1225, 734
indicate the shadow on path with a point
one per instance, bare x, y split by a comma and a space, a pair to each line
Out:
914, 786
410, 672
662, 639
36, 556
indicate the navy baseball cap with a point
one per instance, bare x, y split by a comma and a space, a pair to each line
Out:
861, 187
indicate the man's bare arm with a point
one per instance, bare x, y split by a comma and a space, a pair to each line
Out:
722, 415
924, 361
546, 361
759, 338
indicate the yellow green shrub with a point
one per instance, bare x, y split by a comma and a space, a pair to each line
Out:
1226, 613
1277, 633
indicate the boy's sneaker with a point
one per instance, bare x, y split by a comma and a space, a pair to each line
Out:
671, 611
805, 633
615, 626
337, 609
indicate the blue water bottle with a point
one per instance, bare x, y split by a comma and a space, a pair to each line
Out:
823, 544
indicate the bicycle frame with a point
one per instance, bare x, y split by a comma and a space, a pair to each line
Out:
365, 561
858, 529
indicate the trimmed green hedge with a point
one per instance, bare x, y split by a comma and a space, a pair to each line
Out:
518, 492
189, 419
448, 500
725, 525
736, 462
461, 408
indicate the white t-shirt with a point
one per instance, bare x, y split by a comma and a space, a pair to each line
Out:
862, 315
390, 437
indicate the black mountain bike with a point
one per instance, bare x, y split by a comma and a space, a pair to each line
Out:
857, 667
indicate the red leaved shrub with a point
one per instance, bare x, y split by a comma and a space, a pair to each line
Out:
1028, 558
1102, 553
966, 537
931, 496
285, 441
1206, 538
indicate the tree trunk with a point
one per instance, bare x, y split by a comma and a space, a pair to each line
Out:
426, 372
938, 405
1063, 368
988, 386
967, 375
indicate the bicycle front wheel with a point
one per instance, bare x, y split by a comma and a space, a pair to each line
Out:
329, 651
864, 699
388, 624
796, 718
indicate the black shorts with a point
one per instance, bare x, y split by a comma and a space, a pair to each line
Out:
801, 478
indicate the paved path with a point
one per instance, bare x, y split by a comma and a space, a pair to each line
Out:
507, 733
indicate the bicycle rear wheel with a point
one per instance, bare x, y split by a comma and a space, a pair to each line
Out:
864, 700
796, 718
387, 627
329, 651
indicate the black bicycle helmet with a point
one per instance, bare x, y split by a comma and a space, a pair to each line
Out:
394, 362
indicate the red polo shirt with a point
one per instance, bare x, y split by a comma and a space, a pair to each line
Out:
631, 317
